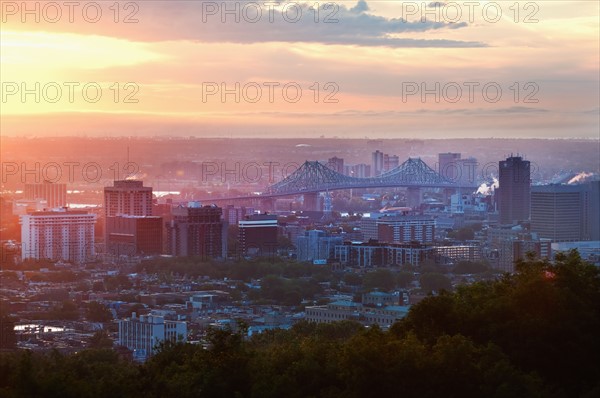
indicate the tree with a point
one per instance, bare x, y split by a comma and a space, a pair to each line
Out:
404, 278
470, 267
381, 279
352, 279
97, 312
100, 340
432, 281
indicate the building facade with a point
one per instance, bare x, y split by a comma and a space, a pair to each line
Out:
258, 235
143, 334
406, 229
373, 254
55, 194
65, 235
197, 230
316, 245
557, 212
514, 190
134, 235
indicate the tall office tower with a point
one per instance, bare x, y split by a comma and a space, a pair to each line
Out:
336, 164
66, 235
591, 208
197, 230
54, 194
377, 163
361, 170
449, 167
514, 191
134, 235
126, 197
391, 162
258, 235
468, 172
557, 212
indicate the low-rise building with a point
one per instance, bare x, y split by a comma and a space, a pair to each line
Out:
375, 254
384, 316
143, 334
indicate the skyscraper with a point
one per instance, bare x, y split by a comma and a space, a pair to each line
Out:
258, 235
377, 163
66, 235
54, 194
128, 197
449, 166
134, 235
514, 191
336, 164
197, 230
125, 197
557, 212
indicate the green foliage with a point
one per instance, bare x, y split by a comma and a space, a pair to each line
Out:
404, 278
97, 312
67, 310
433, 281
469, 267
352, 279
101, 340
531, 334
380, 279
462, 234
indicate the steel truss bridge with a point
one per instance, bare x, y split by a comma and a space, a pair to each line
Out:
314, 177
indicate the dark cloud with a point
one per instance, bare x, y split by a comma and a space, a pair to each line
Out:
251, 22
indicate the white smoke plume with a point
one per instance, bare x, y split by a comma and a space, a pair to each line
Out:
580, 177
486, 189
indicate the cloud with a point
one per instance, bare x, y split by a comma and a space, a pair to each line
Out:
250, 22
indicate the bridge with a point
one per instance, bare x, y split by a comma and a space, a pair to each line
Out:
314, 177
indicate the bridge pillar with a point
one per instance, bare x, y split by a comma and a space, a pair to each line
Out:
311, 202
414, 197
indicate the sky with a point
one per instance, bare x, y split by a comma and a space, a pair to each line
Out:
354, 69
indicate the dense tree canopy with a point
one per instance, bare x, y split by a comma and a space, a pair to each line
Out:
531, 334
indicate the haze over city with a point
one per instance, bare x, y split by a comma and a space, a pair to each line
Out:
364, 69
299, 199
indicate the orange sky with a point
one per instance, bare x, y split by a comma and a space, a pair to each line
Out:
150, 67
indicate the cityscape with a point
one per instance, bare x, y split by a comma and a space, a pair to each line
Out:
248, 216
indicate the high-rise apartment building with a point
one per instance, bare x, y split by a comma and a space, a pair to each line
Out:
377, 163
514, 191
449, 166
65, 235
134, 235
336, 164
126, 197
258, 235
55, 194
197, 230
